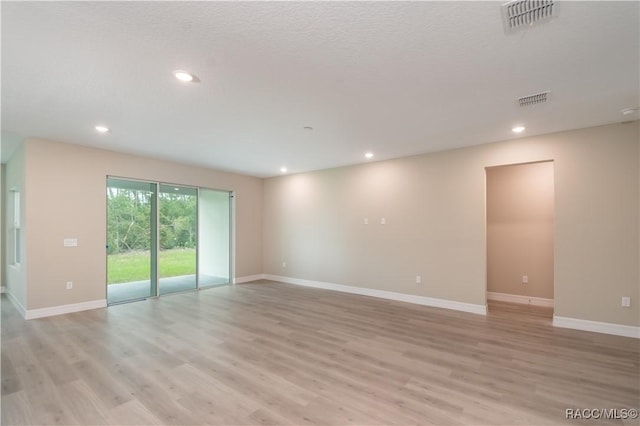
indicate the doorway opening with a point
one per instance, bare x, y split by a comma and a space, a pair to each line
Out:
164, 238
520, 237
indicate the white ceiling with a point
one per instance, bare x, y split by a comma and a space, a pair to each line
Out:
396, 78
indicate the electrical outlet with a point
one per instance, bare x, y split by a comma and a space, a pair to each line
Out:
626, 302
418, 279
69, 285
525, 279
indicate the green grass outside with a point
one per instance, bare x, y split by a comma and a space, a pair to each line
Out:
134, 266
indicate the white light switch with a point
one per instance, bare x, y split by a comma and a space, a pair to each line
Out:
71, 242
383, 221
626, 302
366, 220
525, 279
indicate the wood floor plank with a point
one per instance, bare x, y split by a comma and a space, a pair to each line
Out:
16, 409
133, 413
46, 407
267, 353
83, 404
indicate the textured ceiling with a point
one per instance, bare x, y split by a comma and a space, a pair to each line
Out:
396, 78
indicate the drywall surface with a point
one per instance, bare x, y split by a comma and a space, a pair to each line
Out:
520, 213
434, 209
67, 199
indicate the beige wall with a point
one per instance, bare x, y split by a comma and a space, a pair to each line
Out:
66, 199
16, 275
434, 206
520, 213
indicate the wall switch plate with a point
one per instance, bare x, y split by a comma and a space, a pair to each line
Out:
69, 285
383, 221
366, 220
626, 302
70, 242
284, 264
525, 279
418, 279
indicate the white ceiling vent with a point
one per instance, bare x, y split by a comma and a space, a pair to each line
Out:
520, 14
538, 98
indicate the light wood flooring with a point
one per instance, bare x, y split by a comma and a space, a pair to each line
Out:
271, 353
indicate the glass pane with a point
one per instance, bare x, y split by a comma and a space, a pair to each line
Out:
178, 238
130, 249
214, 237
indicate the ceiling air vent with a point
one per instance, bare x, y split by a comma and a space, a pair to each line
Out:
538, 98
519, 14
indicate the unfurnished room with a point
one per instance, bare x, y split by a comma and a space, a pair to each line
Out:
320, 213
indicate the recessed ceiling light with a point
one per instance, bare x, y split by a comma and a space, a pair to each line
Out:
369, 155
518, 129
283, 170
101, 129
185, 76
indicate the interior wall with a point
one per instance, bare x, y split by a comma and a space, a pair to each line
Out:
16, 275
520, 212
66, 199
434, 206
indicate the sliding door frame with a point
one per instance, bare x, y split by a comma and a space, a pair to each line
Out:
155, 242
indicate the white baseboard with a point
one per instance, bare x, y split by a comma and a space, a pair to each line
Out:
523, 300
384, 294
64, 309
596, 326
248, 278
3, 289
21, 310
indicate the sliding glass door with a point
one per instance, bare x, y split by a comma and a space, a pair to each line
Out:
178, 238
131, 242
164, 238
